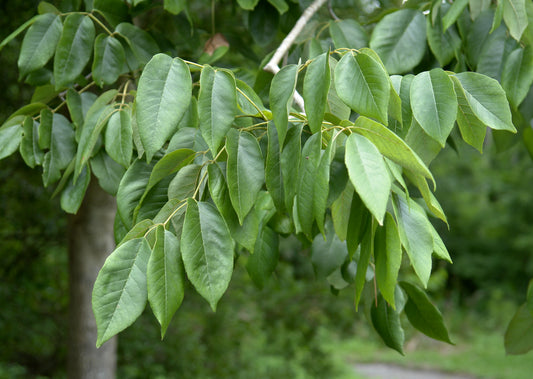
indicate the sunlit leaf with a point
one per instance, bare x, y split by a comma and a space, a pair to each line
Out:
207, 250
217, 105
162, 98
368, 174
165, 277
120, 293
362, 84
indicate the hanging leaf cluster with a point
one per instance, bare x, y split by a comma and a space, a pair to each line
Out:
206, 168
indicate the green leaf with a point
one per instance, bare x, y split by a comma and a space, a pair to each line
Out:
217, 105
439, 249
425, 147
207, 251
391, 146
316, 87
423, 315
388, 258
185, 182
62, 149
162, 99
430, 199
321, 184
281, 93
218, 189
442, 43
95, 121
306, 183
358, 223
368, 174
386, 321
108, 172
416, 236
348, 34
74, 49
291, 155
119, 137
453, 13
519, 333
73, 194
340, 211
39, 43
472, 129
131, 189
493, 53
400, 40
141, 42
487, 100
280, 5
245, 171
476, 37
165, 277
114, 11
10, 138
75, 108
329, 253
498, 16
119, 294
19, 30
152, 201
363, 85
175, 6
335, 105
517, 75
515, 17
367, 250
434, 103
29, 145
247, 4
273, 172
109, 58
262, 263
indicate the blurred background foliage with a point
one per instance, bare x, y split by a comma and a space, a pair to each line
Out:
289, 328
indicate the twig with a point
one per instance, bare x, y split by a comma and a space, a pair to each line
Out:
332, 12
273, 65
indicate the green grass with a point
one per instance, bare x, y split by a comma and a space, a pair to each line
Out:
480, 354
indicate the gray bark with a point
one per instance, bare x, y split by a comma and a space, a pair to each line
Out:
90, 242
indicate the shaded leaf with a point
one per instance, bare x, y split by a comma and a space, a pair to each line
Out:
263, 261
281, 93
400, 40
388, 258
386, 321
423, 315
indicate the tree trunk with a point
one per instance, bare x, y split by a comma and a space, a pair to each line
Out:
90, 242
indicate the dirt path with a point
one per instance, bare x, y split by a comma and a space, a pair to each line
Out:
390, 371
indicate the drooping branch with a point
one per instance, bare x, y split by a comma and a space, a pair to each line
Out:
273, 65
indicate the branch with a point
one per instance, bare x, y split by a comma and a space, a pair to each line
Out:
273, 65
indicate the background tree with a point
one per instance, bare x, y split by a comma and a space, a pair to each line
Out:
203, 170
